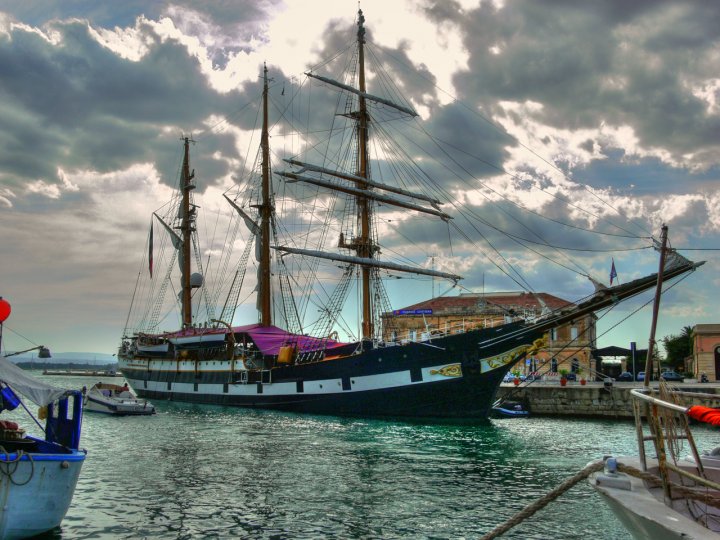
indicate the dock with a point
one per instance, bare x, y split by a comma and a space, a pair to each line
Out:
83, 372
593, 400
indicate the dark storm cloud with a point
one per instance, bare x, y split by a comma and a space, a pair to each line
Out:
38, 12
477, 147
239, 17
78, 105
589, 63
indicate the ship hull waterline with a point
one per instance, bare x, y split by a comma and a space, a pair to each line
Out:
450, 377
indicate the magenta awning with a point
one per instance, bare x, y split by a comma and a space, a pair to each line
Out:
269, 339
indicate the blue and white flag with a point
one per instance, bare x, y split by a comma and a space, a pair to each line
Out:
613, 273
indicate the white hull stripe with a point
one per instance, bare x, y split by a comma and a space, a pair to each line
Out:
203, 338
317, 387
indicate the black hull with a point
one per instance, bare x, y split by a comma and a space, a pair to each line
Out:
450, 377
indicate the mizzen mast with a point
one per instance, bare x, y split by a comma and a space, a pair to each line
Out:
186, 229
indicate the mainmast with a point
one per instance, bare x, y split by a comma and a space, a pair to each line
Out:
266, 210
186, 228
364, 246
366, 193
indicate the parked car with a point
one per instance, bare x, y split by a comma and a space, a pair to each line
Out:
571, 377
672, 376
625, 376
641, 376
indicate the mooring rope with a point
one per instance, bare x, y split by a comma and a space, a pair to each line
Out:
7, 462
544, 500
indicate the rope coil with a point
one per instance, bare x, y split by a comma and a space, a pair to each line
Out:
8, 467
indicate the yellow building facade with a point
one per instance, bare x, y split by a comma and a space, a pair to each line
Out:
569, 347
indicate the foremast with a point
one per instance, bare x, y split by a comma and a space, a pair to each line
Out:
187, 228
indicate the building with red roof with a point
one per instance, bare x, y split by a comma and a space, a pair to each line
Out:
569, 346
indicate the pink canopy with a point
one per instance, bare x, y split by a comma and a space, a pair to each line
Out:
269, 339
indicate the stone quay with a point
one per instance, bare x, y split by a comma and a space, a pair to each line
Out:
594, 399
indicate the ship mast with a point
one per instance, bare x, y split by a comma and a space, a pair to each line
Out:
266, 210
364, 246
186, 228
656, 307
366, 191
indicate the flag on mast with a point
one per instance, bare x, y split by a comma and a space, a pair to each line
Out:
150, 249
613, 273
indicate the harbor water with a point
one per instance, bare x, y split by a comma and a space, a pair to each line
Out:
196, 471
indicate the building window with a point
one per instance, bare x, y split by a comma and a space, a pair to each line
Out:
573, 332
553, 334
574, 365
553, 365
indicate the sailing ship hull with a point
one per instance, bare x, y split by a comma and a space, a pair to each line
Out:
450, 377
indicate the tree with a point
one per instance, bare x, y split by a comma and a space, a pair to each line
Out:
677, 348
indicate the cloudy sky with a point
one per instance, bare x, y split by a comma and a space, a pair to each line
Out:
612, 102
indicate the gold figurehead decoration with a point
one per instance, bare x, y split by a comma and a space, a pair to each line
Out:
510, 357
537, 346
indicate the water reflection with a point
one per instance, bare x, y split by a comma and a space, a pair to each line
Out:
195, 471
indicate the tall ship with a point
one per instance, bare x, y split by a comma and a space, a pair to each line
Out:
313, 232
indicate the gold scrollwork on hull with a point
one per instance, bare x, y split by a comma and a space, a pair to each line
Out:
453, 370
538, 345
512, 356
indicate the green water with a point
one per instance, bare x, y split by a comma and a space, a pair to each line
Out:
195, 471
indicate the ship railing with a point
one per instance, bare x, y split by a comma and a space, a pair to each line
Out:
431, 332
668, 423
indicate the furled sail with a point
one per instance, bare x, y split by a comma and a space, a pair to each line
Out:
255, 230
366, 181
365, 95
365, 261
365, 193
249, 223
176, 240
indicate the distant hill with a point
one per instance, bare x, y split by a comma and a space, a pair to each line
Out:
93, 359
38, 365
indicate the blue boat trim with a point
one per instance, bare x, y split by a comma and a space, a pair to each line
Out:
75, 456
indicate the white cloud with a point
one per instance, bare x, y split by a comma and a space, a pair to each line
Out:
131, 43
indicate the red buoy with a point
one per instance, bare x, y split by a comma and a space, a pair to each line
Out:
4, 309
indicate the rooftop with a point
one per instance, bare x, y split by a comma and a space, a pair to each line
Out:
477, 302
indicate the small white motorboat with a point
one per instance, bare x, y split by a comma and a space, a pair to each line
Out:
116, 400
